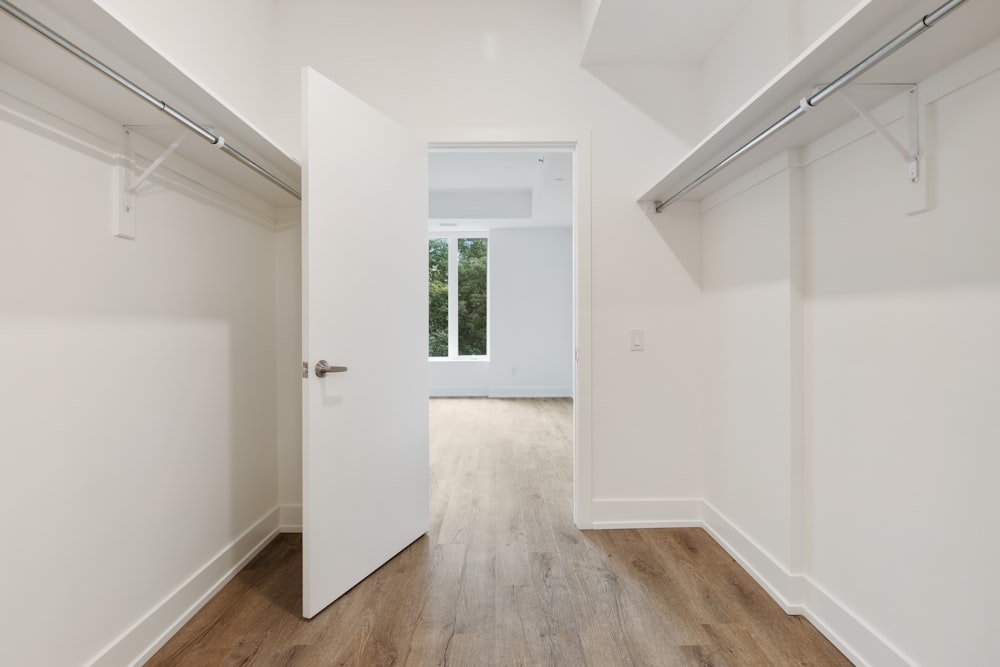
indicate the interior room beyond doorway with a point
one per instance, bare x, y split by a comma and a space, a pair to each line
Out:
501, 272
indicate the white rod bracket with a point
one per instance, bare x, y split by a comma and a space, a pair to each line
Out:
913, 121
917, 197
157, 162
909, 154
123, 222
916, 194
127, 183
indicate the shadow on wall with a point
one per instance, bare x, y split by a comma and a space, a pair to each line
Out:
680, 227
653, 89
863, 243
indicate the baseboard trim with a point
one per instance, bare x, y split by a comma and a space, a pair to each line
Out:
610, 513
531, 392
787, 589
137, 644
797, 594
458, 392
482, 391
291, 518
862, 644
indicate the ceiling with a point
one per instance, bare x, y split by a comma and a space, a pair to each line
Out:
475, 190
617, 37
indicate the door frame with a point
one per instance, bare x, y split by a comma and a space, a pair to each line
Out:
579, 141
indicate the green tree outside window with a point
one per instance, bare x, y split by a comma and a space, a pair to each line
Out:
438, 297
472, 305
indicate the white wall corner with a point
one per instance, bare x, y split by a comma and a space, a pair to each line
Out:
290, 518
607, 513
798, 498
589, 9
772, 167
287, 217
797, 594
684, 207
137, 644
787, 589
680, 226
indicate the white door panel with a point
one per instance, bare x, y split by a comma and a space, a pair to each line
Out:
364, 245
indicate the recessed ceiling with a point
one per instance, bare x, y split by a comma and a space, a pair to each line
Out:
671, 31
478, 190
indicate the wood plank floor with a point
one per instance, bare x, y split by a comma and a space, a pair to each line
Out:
504, 578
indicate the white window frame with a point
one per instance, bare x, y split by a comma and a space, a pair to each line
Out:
452, 238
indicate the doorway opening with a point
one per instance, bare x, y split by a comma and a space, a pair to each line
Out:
504, 258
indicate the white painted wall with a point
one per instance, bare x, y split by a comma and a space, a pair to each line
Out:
752, 51
875, 524
589, 11
767, 36
138, 394
514, 65
698, 65
224, 45
531, 321
748, 285
904, 321
811, 19
288, 328
458, 377
894, 355
531, 312
670, 93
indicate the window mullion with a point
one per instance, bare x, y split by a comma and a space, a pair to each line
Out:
452, 297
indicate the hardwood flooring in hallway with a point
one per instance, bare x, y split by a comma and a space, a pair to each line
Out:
504, 578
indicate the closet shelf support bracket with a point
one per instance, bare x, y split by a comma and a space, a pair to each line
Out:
127, 183
916, 197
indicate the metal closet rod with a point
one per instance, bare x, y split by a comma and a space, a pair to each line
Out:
206, 134
825, 92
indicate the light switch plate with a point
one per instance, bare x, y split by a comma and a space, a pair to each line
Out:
637, 340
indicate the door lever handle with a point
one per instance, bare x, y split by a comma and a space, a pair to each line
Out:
322, 368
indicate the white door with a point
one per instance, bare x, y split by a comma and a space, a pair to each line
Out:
364, 243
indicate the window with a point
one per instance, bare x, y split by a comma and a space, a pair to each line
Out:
438, 297
457, 296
